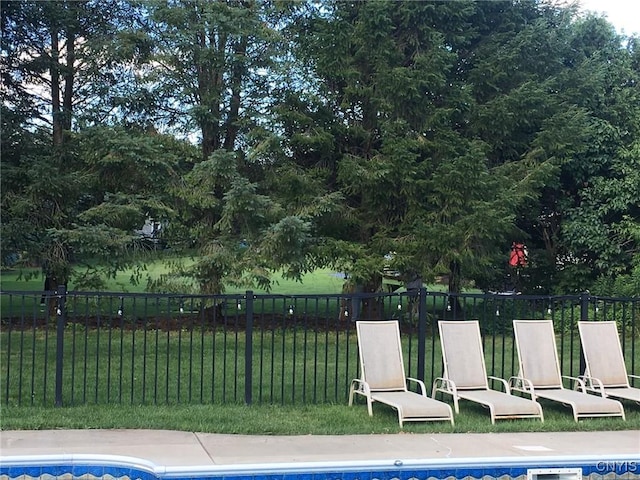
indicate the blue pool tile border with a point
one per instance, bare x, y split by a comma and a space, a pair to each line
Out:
86, 467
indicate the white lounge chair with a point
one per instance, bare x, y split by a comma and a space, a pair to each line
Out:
606, 372
465, 375
540, 374
382, 377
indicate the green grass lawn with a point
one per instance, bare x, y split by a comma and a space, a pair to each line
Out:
319, 281
283, 294
322, 281
110, 395
194, 382
324, 419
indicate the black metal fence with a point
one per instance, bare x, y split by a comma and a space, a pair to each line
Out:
69, 348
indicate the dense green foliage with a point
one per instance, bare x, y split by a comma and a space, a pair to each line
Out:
261, 136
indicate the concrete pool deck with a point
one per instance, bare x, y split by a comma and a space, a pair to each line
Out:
176, 448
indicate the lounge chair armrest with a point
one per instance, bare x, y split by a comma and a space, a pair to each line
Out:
444, 385
361, 387
593, 384
423, 388
524, 385
501, 381
578, 383
634, 376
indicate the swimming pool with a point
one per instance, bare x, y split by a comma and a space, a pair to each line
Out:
114, 467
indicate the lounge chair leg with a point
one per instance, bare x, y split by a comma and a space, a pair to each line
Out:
575, 411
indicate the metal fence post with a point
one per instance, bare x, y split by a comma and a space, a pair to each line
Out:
61, 318
584, 316
422, 331
248, 350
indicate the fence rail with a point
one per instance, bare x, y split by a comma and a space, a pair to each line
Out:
69, 348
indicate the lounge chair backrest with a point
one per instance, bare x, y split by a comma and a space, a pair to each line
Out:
462, 354
603, 352
381, 364
537, 353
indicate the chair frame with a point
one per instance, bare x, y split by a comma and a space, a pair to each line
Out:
481, 392
620, 390
396, 395
557, 392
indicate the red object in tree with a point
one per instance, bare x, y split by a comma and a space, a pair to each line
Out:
518, 257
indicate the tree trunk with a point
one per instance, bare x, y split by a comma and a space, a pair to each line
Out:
49, 298
69, 76
236, 85
54, 71
455, 287
210, 86
361, 307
